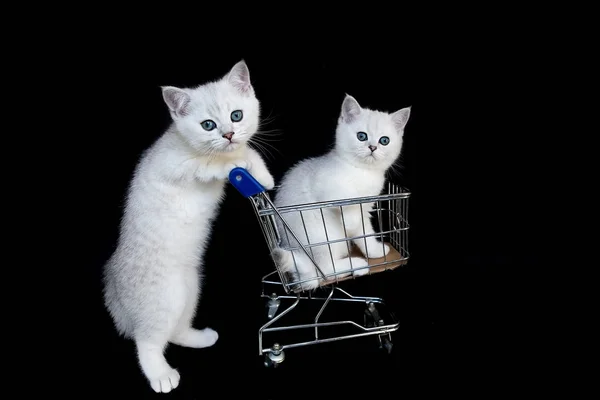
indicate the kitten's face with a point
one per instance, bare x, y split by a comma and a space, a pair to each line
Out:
217, 116
370, 137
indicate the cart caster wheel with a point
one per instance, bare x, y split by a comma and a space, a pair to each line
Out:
274, 357
386, 344
372, 317
273, 305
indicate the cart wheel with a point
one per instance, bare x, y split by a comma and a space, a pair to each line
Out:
274, 357
272, 305
385, 343
372, 317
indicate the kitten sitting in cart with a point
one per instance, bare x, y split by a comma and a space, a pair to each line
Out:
367, 143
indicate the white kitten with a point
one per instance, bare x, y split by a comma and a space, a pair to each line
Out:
152, 281
367, 143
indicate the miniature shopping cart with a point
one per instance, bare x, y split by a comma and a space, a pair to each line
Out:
389, 214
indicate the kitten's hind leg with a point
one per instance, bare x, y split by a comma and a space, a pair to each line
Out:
162, 377
164, 308
258, 168
185, 335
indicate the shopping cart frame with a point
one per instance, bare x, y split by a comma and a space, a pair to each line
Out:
283, 290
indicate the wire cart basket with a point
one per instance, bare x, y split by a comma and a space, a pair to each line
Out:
389, 210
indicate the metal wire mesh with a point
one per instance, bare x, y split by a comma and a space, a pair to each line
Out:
339, 239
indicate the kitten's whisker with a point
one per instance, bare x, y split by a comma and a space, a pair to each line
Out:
269, 118
261, 149
265, 146
270, 132
265, 143
395, 170
267, 139
270, 146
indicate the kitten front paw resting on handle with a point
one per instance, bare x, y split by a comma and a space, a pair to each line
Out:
367, 143
266, 180
224, 174
257, 167
152, 280
240, 164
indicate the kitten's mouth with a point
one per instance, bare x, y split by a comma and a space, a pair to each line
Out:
371, 158
231, 146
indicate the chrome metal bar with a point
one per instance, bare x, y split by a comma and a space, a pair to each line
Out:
333, 275
362, 220
321, 311
394, 203
341, 240
336, 323
405, 234
327, 241
306, 232
339, 289
327, 204
346, 235
272, 321
335, 339
294, 235
390, 226
394, 208
380, 221
355, 300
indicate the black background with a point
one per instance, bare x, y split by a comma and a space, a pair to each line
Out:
475, 225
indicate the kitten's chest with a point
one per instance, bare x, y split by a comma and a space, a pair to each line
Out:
358, 184
201, 200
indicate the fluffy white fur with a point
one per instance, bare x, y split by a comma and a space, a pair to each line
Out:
353, 168
153, 279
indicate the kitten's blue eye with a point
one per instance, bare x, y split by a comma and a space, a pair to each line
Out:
208, 125
384, 140
237, 115
362, 136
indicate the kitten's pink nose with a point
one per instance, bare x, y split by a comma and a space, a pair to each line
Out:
228, 136
372, 148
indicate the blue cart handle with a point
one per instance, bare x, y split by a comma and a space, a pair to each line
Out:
245, 183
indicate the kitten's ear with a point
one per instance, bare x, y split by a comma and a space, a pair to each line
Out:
176, 99
350, 109
239, 77
400, 118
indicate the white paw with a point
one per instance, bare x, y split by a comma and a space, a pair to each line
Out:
376, 250
208, 337
226, 171
267, 182
340, 275
306, 286
228, 167
359, 266
361, 272
165, 382
241, 164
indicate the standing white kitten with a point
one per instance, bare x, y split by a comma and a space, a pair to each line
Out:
152, 281
367, 143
